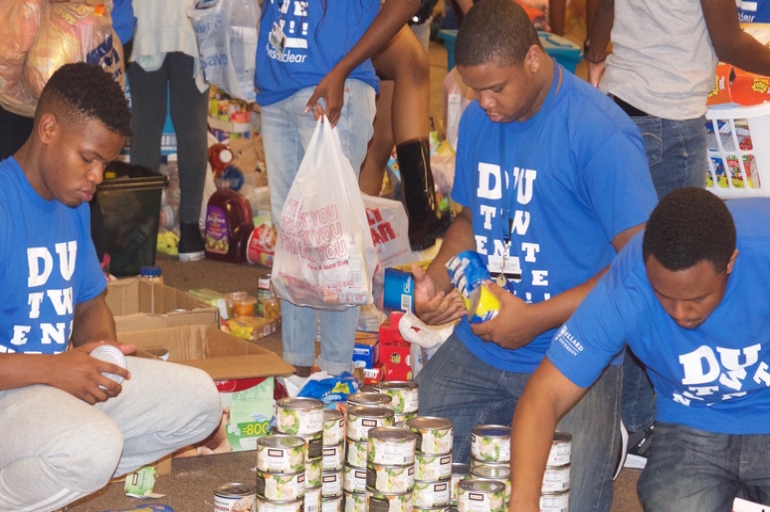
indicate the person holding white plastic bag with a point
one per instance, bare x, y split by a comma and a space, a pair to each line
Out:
308, 51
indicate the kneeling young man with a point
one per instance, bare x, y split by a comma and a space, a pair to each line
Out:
689, 296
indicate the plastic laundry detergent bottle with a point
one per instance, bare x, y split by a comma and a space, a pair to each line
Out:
229, 224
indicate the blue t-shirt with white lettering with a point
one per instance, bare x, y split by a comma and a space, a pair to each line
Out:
715, 377
48, 264
754, 11
318, 34
560, 186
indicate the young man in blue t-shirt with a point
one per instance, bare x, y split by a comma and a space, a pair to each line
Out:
67, 428
689, 297
553, 181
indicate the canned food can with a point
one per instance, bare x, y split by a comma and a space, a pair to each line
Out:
281, 486
264, 291
355, 501
363, 418
331, 484
391, 446
403, 418
334, 457
334, 427
265, 505
561, 449
491, 443
480, 496
556, 479
387, 502
467, 271
434, 435
313, 500
482, 305
496, 472
314, 445
280, 454
390, 479
432, 468
332, 504
110, 354
556, 502
355, 453
313, 471
432, 494
459, 472
301, 416
235, 497
404, 394
354, 479
371, 399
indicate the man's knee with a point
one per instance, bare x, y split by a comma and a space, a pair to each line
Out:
86, 462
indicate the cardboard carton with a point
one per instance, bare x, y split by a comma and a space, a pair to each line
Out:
241, 370
140, 305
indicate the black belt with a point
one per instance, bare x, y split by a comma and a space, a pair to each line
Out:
628, 109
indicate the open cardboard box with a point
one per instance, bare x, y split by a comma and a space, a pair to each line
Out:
242, 371
141, 305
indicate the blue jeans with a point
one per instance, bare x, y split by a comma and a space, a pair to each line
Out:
286, 133
455, 384
677, 153
689, 470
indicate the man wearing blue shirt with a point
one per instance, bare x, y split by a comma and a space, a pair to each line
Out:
689, 296
553, 181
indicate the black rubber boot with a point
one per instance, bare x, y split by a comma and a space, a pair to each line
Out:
418, 193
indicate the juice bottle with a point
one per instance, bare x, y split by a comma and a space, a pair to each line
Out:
229, 223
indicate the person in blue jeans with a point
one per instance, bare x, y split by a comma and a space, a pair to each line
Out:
689, 296
313, 59
553, 181
660, 72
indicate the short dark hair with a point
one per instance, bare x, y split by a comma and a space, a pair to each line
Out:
496, 31
79, 92
688, 226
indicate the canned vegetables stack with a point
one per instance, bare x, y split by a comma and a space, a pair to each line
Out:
280, 473
491, 455
460, 471
304, 417
404, 398
554, 495
390, 469
360, 420
333, 456
433, 462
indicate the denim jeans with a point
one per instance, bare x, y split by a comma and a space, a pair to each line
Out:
689, 470
55, 448
286, 133
677, 153
455, 384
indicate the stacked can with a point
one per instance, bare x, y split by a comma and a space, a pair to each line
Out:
433, 462
280, 473
491, 455
554, 494
481, 496
360, 420
390, 469
304, 417
404, 398
460, 472
333, 455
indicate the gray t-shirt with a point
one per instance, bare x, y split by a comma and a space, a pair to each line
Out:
662, 59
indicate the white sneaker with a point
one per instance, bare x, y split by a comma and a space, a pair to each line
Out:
640, 447
622, 460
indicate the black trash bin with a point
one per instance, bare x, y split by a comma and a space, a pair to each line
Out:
124, 217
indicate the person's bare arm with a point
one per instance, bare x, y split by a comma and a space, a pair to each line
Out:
731, 43
518, 323
93, 322
392, 16
546, 398
601, 31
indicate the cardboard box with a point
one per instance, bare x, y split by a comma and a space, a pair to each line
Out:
241, 370
374, 375
139, 305
366, 351
394, 350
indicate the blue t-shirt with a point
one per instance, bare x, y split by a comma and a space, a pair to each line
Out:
123, 20
49, 264
561, 184
714, 377
754, 11
319, 33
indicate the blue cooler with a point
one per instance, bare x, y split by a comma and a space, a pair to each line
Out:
564, 51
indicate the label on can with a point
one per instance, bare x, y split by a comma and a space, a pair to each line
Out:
301, 416
432, 468
459, 472
467, 271
313, 472
558, 502
281, 454
434, 435
264, 505
331, 484
333, 504
561, 449
314, 445
356, 453
334, 427
334, 457
355, 479
234, 497
556, 479
355, 502
313, 500
361, 419
391, 446
491, 443
431, 494
281, 487
404, 395
481, 496
381, 502
390, 479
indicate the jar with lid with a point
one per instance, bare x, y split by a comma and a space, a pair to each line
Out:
151, 275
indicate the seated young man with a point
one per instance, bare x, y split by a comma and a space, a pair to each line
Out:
67, 427
689, 296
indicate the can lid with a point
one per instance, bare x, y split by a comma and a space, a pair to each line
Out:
474, 485
370, 411
492, 471
281, 441
332, 414
235, 490
429, 423
395, 384
491, 430
562, 437
392, 434
300, 403
372, 398
150, 271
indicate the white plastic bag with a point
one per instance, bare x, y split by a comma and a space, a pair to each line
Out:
325, 256
227, 42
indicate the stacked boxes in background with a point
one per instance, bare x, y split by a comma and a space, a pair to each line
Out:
394, 350
366, 355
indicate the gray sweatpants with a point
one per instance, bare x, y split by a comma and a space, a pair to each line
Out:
55, 448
